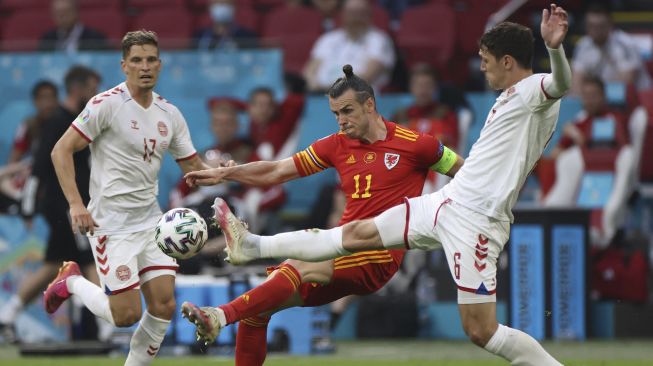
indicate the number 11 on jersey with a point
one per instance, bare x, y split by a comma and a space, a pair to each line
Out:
365, 194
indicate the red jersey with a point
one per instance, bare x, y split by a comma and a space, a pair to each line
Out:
374, 177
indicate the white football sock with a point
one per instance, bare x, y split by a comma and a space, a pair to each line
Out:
146, 340
11, 309
519, 348
92, 296
310, 245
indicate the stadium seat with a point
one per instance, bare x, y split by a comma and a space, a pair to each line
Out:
294, 30
14, 5
24, 28
110, 21
267, 5
171, 33
427, 34
100, 4
155, 4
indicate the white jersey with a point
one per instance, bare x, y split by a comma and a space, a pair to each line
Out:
512, 140
127, 146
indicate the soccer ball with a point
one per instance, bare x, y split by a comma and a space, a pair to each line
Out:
181, 233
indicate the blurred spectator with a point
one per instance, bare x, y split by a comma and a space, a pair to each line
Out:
70, 34
229, 146
608, 53
368, 49
597, 134
45, 99
329, 10
224, 32
273, 127
428, 114
43, 194
13, 175
435, 112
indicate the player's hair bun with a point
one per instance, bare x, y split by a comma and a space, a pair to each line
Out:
348, 70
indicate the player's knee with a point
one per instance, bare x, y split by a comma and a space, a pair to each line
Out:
163, 309
360, 235
479, 334
126, 317
312, 272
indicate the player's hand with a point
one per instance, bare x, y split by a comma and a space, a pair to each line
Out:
554, 26
82, 221
227, 163
206, 177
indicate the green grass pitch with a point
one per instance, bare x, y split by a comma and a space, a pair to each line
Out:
388, 353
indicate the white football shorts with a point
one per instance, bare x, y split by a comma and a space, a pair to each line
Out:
471, 241
125, 261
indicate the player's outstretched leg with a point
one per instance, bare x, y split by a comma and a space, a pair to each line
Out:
208, 320
57, 291
243, 246
235, 233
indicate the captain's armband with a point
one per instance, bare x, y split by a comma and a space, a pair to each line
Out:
447, 161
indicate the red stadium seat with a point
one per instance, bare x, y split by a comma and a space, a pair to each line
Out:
294, 29
267, 5
427, 34
153, 4
470, 26
24, 28
100, 4
172, 25
109, 21
14, 5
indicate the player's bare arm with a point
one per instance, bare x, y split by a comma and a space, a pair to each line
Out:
192, 164
62, 159
259, 173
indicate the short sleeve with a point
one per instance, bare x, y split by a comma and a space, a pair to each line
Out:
94, 119
321, 49
579, 62
317, 157
533, 93
181, 145
429, 150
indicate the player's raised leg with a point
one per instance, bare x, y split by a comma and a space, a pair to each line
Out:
243, 246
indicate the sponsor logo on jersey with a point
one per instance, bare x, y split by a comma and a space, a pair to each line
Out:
84, 117
134, 125
351, 159
370, 157
391, 160
163, 129
123, 273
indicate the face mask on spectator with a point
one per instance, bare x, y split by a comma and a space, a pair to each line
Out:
222, 13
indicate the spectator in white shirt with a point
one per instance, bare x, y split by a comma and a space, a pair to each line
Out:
358, 43
607, 53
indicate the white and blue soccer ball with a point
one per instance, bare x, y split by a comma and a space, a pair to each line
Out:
181, 233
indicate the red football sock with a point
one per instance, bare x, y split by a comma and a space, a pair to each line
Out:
267, 296
251, 341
